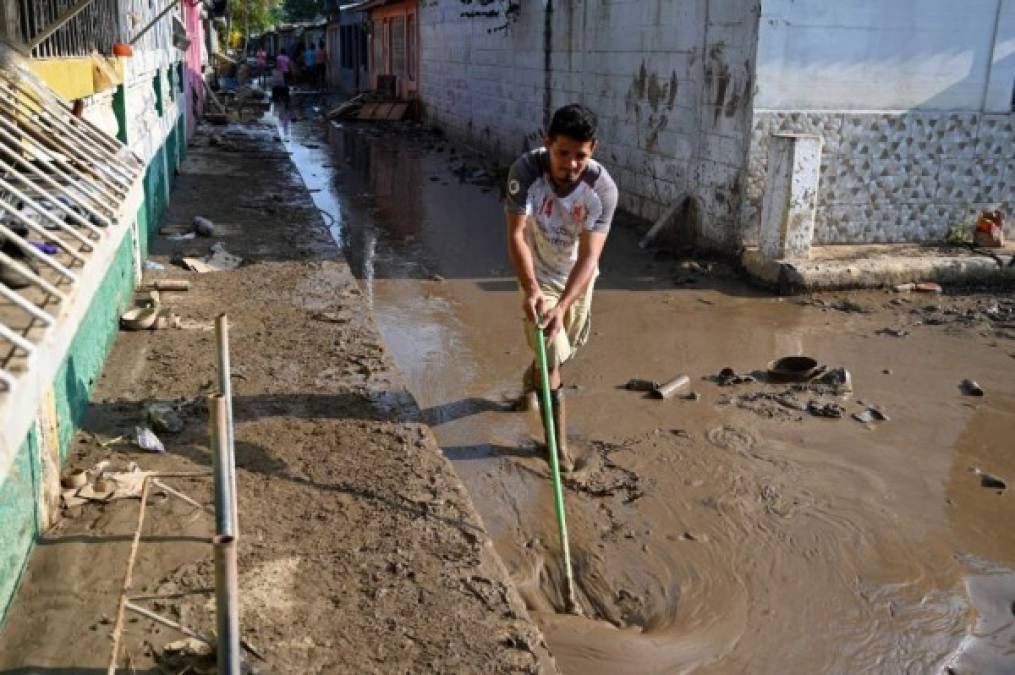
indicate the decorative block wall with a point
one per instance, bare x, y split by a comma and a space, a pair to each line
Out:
894, 177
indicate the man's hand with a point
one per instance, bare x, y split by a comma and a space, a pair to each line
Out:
533, 305
552, 321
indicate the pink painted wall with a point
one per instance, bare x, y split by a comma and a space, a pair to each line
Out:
192, 62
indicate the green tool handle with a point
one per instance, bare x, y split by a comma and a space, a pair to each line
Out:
551, 444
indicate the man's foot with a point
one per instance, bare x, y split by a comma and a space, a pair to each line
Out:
528, 401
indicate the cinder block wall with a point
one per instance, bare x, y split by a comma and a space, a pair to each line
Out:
671, 81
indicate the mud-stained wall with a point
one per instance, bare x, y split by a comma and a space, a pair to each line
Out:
671, 82
914, 103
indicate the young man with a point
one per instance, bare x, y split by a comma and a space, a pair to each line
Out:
560, 204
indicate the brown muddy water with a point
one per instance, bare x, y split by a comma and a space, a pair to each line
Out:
727, 534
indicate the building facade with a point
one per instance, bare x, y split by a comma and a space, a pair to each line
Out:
112, 130
912, 100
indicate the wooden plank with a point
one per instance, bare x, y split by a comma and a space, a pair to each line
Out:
397, 111
367, 111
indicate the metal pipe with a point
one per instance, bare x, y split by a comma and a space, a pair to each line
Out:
16, 340
226, 389
26, 272
227, 606
670, 388
179, 495
154, 21
27, 306
218, 423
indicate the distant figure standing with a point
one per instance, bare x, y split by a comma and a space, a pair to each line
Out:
282, 64
280, 93
321, 65
262, 63
310, 61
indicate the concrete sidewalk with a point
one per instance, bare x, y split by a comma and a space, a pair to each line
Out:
360, 551
880, 266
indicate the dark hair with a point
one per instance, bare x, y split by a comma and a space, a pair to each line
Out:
574, 121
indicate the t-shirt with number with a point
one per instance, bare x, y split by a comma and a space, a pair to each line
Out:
555, 222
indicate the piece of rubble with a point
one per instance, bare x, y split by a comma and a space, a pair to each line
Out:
146, 439
971, 388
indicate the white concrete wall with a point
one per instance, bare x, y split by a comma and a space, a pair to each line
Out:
886, 55
671, 82
913, 99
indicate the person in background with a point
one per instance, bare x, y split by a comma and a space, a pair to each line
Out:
262, 63
310, 62
282, 64
321, 65
280, 93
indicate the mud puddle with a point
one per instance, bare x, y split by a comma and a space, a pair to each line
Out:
706, 537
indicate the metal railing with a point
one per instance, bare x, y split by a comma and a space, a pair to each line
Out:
61, 28
62, 183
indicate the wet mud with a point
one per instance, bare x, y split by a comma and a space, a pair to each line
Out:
748, 529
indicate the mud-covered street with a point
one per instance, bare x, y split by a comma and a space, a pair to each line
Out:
751, 528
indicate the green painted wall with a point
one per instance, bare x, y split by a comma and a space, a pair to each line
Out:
87, 355
154, 189
75, 380
20, 519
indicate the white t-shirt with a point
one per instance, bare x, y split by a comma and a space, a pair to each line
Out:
554, 222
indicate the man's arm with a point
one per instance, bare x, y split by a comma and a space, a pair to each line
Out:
590, 247
521, 260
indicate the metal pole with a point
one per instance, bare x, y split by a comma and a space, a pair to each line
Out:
224, 542
218, 424
154, 21
558, 490
226, 389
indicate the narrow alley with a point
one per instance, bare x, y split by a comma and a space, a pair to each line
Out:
705, 530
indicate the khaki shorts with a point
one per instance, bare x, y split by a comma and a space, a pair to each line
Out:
576, 330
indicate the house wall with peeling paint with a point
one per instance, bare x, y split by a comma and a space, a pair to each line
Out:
914, 102
672, 83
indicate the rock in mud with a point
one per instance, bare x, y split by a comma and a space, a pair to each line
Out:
163, 418
971, 388
830, 410
727, 377
839, 378
870, 415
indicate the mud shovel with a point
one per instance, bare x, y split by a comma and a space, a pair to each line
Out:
558, 490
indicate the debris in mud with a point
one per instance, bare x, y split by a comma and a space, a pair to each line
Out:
636, 384
204, 227
164, 418
870, 415
893, 332
822, 409
971, 388
839, 379
989, 481
219, 260
728, 377
691, 396
667, 390
850, 307
146, 439
928, 287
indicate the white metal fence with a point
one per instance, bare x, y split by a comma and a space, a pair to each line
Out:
60, 28
63, 184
